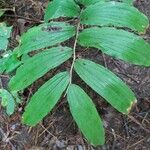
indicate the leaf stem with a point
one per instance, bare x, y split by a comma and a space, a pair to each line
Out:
74, 56
74, 52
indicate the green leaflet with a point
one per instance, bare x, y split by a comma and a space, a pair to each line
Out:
61, 8
115, 14
4, 35
117, 43
7, 101
45, 99
38, 65
12, 63
85, 115
88, 2
9, 62
106, 84
45, 35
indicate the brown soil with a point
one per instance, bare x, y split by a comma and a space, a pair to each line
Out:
58, 131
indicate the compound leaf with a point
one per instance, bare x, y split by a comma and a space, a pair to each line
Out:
115, 14
38, 65
107, 84
85, 115
117, 43
45, 99
45, 35
4, 35
61, 8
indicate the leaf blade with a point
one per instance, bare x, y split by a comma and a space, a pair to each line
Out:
7, 101
61, 8
106, 84
132, 48
115, 14
33, 68
85, 115
53, 33
9, 62
45, 99
4, 35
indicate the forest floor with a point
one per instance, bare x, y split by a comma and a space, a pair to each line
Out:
58, 131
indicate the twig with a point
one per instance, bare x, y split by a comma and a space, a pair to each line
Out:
104, 59
1, 84
126, 127
135, 144
114, 141
144, 118
138, 123
46, 130
117, 135
6, 139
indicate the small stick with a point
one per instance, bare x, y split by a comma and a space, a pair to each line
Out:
135, 144
114, 141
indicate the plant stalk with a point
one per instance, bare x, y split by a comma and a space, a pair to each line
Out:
74, 52
74, 56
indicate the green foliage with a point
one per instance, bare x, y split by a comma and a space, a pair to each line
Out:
125, 16
9, 62
110, 19
4, 35
85, 115
36, 66
9, 100
61, 8
45, 35
106, 84
117, 43
43, 102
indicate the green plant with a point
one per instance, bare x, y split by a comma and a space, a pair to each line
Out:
9, 100
8, 62
106, 22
